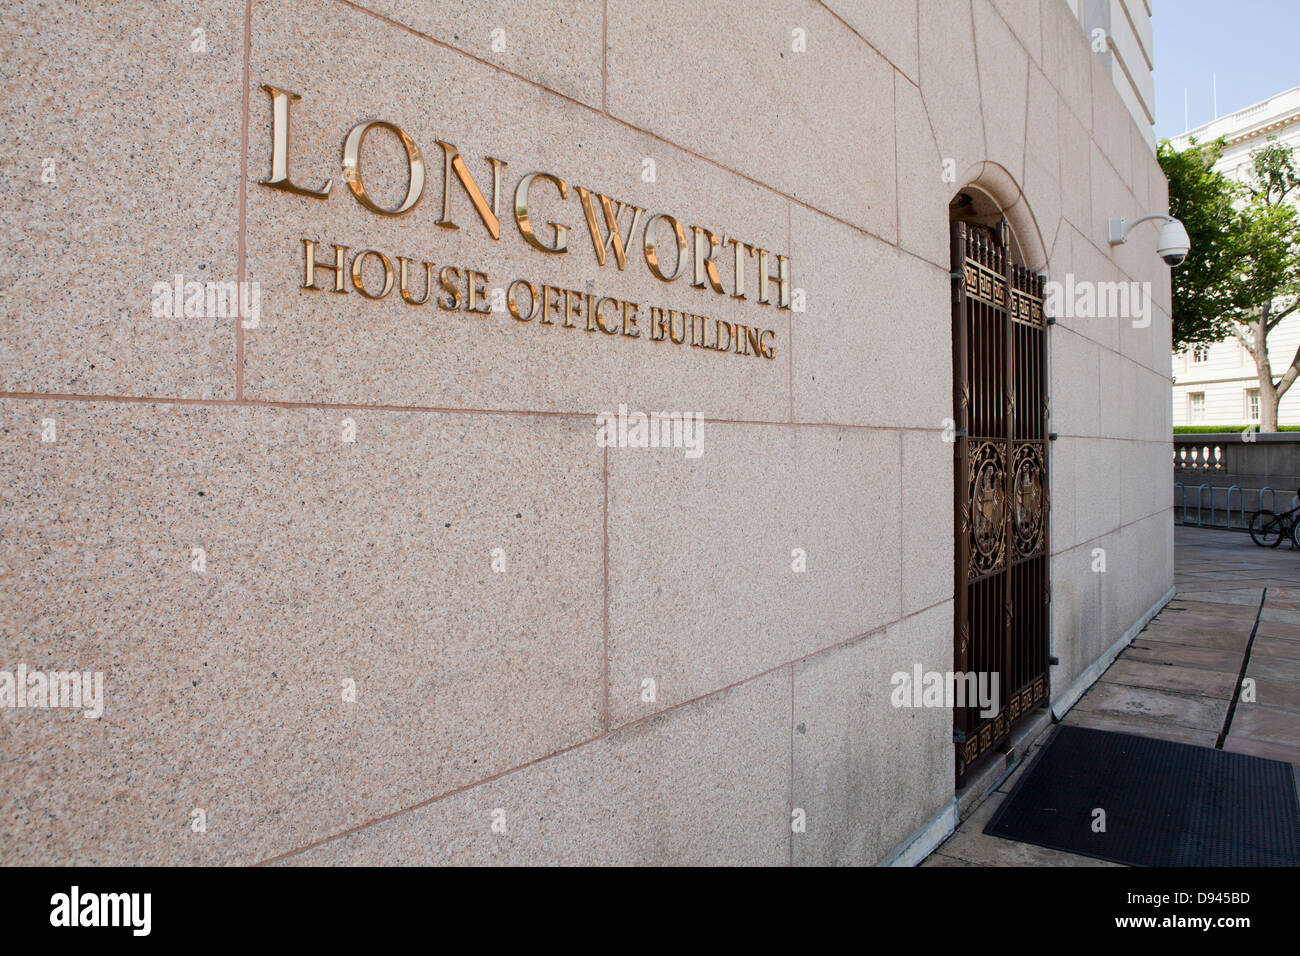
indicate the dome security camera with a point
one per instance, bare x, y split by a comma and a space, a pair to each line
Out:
1173, 244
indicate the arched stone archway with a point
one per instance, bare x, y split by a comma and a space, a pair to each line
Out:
990, 193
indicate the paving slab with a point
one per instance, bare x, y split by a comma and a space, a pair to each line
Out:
1240, 575
1246, 596
1189, 635
1206, 658
1233, 566
1208, 622
1280, 694
1196, 712
1142, 727
1276, 648
1274, 613
1278, 630
1206, 614
1273, 669
1271, 724
1184, 680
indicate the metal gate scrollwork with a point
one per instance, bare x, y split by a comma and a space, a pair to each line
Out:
988, 524
1001, 486
1030, 499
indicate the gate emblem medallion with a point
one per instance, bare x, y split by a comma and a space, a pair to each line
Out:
988, 508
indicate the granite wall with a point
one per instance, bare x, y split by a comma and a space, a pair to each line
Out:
364, 585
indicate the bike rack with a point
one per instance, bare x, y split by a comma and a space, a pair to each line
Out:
1266, 500
1241, 505
1273, 498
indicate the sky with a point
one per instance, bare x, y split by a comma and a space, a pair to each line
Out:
1253, 46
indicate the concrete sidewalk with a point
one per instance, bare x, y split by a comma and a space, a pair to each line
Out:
1177, 679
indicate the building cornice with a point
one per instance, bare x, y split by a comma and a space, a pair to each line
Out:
1238, 127
1266, 128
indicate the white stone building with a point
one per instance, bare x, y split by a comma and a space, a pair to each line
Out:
1218, 384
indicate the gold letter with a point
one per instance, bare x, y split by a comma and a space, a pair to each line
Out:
532, 300
651, 248
402, 286
309, 279
352, 167
569, 296
615, 238
736, 244
476, 290
672, 328
451, 162
704, 265
451, 302
718, 325
280, 100
782, 282
698, 323
657, 332
356, 273
600, 319
521, 213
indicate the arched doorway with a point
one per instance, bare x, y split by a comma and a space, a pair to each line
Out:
1000, 399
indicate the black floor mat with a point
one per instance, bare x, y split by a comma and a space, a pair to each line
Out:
1166, 804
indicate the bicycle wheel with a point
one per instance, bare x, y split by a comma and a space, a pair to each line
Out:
1266, 529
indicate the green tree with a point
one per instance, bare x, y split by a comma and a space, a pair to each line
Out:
1203, 200
1265, 284
1242, 275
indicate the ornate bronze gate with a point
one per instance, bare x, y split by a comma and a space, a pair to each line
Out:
1000, 481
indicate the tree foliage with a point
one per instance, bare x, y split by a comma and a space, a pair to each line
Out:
1242, 275
1203, 200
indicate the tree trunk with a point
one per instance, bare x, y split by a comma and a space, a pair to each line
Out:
1268, 397
1268, 402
